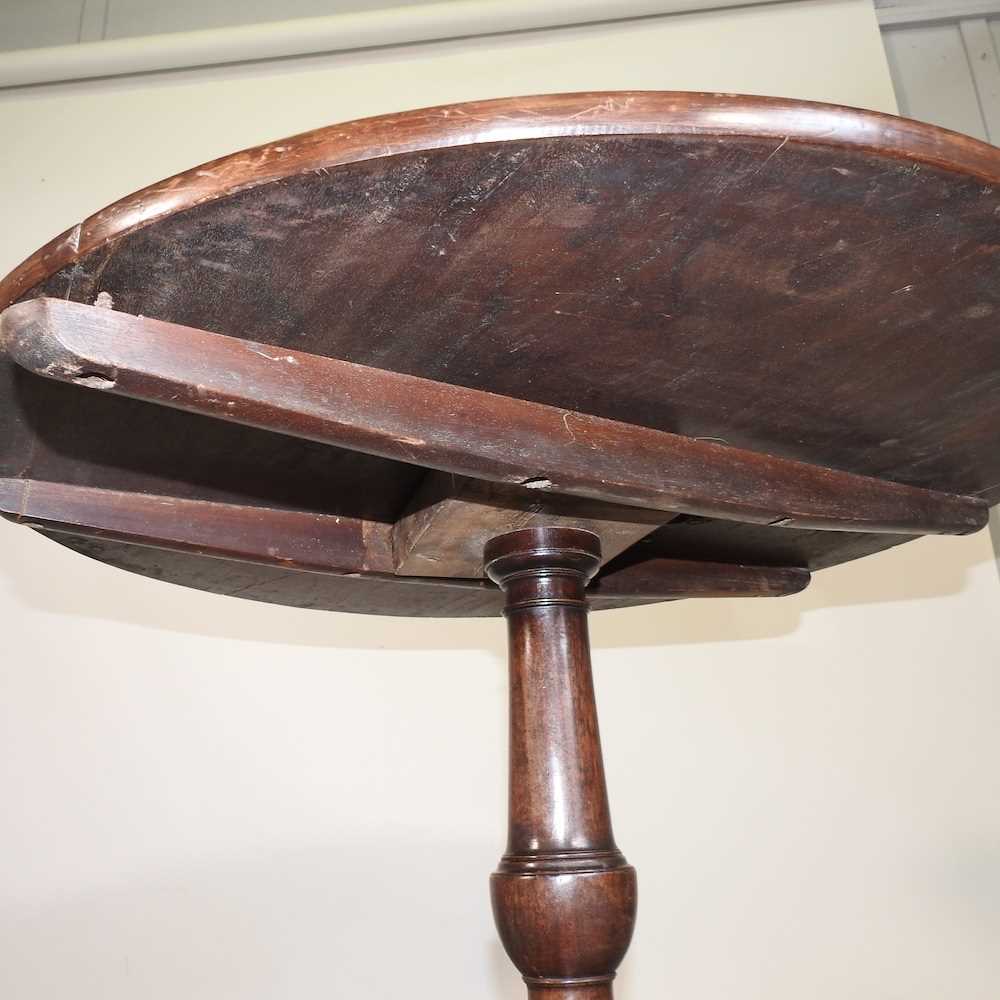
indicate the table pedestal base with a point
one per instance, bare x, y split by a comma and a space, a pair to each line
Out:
564, 897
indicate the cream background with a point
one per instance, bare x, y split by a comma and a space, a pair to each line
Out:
210, 798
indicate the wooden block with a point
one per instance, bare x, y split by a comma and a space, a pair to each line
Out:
451, 518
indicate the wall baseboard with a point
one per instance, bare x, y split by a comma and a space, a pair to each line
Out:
898, 13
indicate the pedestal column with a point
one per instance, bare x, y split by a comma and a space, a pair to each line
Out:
564, 897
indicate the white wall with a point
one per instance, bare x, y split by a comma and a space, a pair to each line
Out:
208, 798
30, 23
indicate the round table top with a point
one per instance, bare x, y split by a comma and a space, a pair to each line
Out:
799, 280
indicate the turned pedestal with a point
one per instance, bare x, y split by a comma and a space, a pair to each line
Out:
564, 897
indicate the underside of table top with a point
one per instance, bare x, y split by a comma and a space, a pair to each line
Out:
800, 281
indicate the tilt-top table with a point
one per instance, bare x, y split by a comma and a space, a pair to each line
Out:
524, 355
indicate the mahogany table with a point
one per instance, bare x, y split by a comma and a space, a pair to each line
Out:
470, 359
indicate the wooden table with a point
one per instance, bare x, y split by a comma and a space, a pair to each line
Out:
479, 358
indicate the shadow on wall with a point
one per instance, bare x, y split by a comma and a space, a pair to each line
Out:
995, 535
45, 577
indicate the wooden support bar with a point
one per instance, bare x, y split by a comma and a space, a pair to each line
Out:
300, 540
458, 430
662, 579
335, 545
564, 897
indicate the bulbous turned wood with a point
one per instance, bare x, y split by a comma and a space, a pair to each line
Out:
566, 932
564, 898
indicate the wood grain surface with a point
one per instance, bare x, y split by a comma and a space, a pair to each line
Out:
445, 528
811, 283
457, 430
241, 541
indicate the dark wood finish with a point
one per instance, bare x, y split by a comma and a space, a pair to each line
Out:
812, 283
458, 430
564, 897
451, 518
772, 317
507, 120
297, 542
289, 539
660, 578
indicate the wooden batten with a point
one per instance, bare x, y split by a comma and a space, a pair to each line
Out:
325, 543
458, 430
300, 540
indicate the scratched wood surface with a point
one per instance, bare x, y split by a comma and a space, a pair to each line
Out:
812, 283
528, 446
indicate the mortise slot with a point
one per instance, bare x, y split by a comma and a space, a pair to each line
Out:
94, 380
